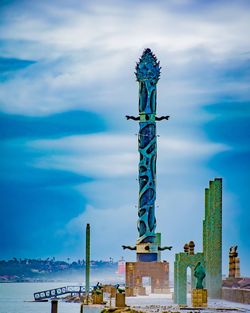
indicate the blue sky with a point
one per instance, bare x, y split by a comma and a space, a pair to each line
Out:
68, 155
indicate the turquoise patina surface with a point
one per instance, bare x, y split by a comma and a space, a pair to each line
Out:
199, 274
147, 74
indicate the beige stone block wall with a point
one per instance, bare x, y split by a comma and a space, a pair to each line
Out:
236, 295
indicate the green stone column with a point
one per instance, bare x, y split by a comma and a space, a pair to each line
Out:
181, 283
216, 240
87, 269
175, 283
212, 238
206, 236
193, 279
182, 294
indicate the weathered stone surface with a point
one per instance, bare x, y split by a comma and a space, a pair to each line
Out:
182, 262
120, 300
158, 271
236, 295
212, 238
211, 257
199, 298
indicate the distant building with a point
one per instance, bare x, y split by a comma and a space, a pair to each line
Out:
121, 266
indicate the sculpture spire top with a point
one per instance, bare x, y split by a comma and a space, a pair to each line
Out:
148, 68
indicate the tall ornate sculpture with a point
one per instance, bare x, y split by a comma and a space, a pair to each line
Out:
148, 245
147, 74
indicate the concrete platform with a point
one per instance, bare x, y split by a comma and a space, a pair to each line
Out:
155, 303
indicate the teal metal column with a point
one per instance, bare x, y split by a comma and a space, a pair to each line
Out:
147, 74
87, 268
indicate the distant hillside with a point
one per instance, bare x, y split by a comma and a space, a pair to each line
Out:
25, 270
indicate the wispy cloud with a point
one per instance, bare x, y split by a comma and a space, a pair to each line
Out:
106, 155
79, 57
86, 49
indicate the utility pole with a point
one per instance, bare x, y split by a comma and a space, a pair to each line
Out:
87, 268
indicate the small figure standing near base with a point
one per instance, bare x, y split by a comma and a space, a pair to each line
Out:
199, 273
199, 295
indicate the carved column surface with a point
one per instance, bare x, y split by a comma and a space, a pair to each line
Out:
148, 249
147, 74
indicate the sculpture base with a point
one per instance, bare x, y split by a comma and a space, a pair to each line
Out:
199, 298
147, 252
97, 299
120, 300
158, 272
146, 257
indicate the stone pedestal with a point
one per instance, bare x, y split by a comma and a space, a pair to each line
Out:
97, 298
120, 300
157, 271
199, 298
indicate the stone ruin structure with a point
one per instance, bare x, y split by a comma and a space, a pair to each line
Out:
211, 256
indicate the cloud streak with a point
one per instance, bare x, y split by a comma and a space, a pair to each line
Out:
88, 48
109, 155
63, 102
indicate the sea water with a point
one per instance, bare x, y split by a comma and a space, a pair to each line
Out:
18, 297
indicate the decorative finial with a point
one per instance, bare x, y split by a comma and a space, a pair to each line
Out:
148, 68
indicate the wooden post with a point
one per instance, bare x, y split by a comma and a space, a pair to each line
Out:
87, 270
54, 306
81, 308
